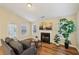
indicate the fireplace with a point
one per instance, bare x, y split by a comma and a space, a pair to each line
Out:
45, 37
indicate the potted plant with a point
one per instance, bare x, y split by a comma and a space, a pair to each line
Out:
57, 39
66, 28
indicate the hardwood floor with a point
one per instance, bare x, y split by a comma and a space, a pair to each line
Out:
1, 51
52, 49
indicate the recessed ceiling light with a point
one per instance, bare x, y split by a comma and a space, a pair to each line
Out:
29, 5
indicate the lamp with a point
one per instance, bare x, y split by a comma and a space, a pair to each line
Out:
29, 5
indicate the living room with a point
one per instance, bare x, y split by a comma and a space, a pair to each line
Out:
40, 22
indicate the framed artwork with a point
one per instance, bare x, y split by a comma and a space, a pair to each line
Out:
45, 26
12, 30
23, 29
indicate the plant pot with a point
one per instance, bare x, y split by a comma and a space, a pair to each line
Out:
66, 45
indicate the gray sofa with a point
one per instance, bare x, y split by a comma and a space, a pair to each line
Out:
24, 47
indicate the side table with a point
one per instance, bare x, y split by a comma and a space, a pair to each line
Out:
38, 44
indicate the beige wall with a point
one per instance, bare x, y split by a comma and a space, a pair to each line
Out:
78, 30
55, 22
7, 17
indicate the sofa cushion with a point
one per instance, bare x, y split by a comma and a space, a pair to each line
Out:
18, 48
30, 51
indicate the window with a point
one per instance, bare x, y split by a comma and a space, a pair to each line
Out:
23, 29
12, 30
33, 28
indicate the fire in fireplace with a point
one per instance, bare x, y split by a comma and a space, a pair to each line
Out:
45, 37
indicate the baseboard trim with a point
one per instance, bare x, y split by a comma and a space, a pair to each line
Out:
75, 47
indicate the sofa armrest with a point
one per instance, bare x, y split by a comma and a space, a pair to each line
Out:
7, 48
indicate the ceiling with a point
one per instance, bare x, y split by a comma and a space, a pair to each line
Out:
42, 10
